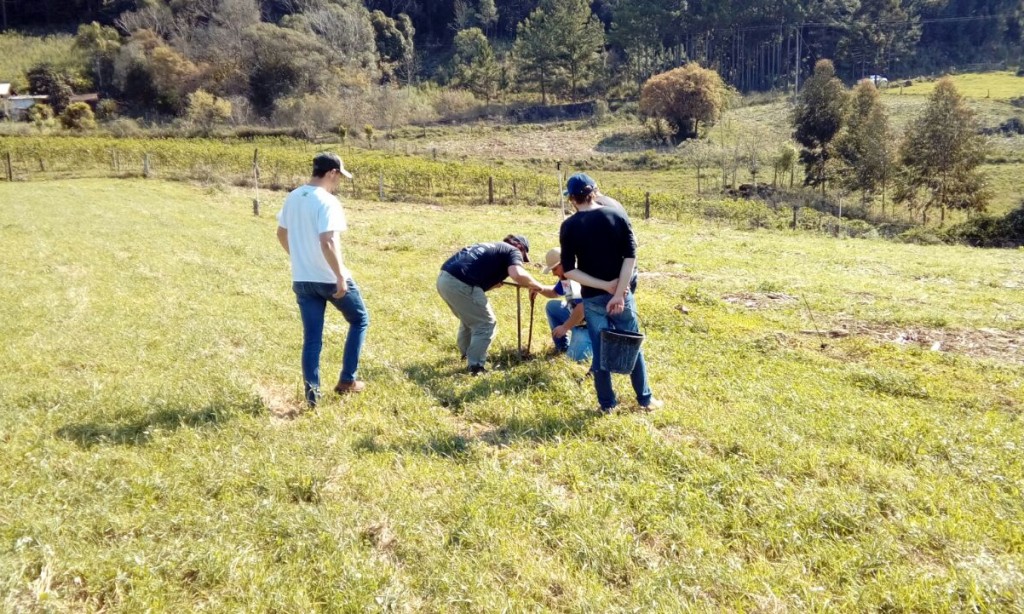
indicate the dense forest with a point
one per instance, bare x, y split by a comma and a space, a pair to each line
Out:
151, 54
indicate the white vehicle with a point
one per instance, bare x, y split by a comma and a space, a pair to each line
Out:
879, 81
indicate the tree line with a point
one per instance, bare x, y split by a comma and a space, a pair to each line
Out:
753, 44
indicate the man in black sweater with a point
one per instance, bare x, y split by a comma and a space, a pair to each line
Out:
463, 281
599, 252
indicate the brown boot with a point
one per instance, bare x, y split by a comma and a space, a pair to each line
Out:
347, 387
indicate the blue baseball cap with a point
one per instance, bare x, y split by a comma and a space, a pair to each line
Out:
579, 185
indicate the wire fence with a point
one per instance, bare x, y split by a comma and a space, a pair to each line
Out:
377, 175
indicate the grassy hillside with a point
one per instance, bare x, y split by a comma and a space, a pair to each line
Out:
18, 53
151, 460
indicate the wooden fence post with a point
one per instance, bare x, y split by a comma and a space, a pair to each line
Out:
380, 187
515, 193
647, 206
42, 165
10, 168
435, 153
145, 165
256, 181
490, 190
794, 217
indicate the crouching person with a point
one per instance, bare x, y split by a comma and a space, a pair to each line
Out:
565, 311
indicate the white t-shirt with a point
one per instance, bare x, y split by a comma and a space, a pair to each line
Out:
307, 212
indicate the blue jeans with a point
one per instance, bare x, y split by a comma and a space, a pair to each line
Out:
576, 344
598, 319
312, 298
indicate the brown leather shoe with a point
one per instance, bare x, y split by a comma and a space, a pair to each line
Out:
348, 387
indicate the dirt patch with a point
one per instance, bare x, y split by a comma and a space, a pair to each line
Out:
278, 401
978, 343
380, 536
759, 300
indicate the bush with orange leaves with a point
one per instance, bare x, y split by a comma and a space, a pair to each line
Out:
685, 97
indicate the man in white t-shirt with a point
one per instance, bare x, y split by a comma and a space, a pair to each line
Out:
308, 227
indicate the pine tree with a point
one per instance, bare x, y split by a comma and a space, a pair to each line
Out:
941, 155
473, 64
560, 42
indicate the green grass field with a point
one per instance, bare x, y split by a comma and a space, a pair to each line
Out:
996, 85
150, 460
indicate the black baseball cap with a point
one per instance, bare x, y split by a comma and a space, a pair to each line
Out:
520, 239
327, 161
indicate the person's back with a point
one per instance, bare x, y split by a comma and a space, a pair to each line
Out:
596, 242
483, 265
308, 212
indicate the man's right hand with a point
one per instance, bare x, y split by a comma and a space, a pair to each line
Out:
342, 288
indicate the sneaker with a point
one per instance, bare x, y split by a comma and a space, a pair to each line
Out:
605, 411
349, 387
477, 370
653, 404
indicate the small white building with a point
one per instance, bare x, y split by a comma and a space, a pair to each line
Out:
5, 93
18, 106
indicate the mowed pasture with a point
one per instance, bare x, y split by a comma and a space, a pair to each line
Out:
842, 429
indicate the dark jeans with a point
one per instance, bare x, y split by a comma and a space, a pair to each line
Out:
312, 298
597, 320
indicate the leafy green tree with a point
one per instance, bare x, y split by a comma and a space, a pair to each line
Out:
941, 154
78, 116
864, 147
284, 62
45, 80
685, 97
395, 49
100, 44
784, 162
817, 119
536, 51
473, 64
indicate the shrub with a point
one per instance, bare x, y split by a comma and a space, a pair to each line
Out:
123, 127
106, 110
452, 105
206, 110
920, 236
989, 231
1020, 71
40, 114
600, 113
685, 97
78, 116
311, 114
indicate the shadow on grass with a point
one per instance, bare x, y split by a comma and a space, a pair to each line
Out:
140, 432
452, 386
460, 446
448, 382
